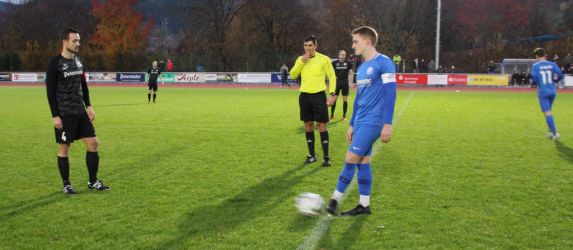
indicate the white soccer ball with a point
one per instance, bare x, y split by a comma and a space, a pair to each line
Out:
309, 204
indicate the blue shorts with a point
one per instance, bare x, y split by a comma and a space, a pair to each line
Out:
363, 139
546, 102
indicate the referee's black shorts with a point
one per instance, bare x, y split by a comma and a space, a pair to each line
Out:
74, 127
313, 107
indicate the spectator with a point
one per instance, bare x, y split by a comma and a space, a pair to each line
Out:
432, 66
569, 70
555, 59
284, 75
491, 67
440, 69
169, 65
568, 60
397, 59
514, 78
453, 70
162, 65
423, 67
415, 66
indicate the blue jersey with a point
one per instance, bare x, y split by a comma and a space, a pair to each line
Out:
376, 96
545, 74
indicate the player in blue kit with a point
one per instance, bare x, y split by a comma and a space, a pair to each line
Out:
546, 74
371, 118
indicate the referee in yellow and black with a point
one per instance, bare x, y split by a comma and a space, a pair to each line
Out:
313, 68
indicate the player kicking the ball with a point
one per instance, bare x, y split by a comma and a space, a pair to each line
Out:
371, 118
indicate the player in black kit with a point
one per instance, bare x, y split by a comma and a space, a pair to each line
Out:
154, 73
344, 75
68, 92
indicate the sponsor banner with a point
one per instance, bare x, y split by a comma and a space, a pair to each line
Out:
568, 81
24, 77
130, 77
190, 77
254, 78
437, 79
483, 79
411, 79
5, 77
101, 76
227, 77
211, 77
165, 77
41, 77
457, 79
278, 78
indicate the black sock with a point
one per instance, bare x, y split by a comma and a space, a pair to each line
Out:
154, 95
92, 161
310, 142
344, 108
324, 142
332, 109
64, 166
148, 97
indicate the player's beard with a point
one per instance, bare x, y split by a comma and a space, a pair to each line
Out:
73, 51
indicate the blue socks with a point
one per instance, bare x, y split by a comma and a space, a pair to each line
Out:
551, 123
364, 179
364, 182
345, 176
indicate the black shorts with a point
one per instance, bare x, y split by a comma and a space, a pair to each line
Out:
342, 86
152, 86
313, 107
74, 127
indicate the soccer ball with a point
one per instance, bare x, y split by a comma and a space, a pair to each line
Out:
309, 204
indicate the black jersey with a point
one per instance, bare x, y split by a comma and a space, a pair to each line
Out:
153, 75
66, 86
341, 69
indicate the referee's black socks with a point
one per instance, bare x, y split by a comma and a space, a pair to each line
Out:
344, 108
324, 142
310, 142
154, 95
64, 166
148, 97
92, 161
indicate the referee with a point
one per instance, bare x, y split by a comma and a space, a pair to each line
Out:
312, 67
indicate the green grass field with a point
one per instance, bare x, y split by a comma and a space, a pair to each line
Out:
220, 168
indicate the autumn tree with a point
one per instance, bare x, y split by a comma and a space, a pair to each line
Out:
120, 36
271, 33
212, 22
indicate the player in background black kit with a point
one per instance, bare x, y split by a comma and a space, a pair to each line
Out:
68, 92
154, 73
344, 76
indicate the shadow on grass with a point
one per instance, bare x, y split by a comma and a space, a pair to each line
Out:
257, 200
347, 239
350, 236
119, 104
565, 152
26, 206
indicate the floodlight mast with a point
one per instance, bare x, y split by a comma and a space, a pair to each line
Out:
439, 14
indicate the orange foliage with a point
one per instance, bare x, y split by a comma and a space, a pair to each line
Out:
121, 31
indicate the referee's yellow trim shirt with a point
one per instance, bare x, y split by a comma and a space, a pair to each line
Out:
314, 73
